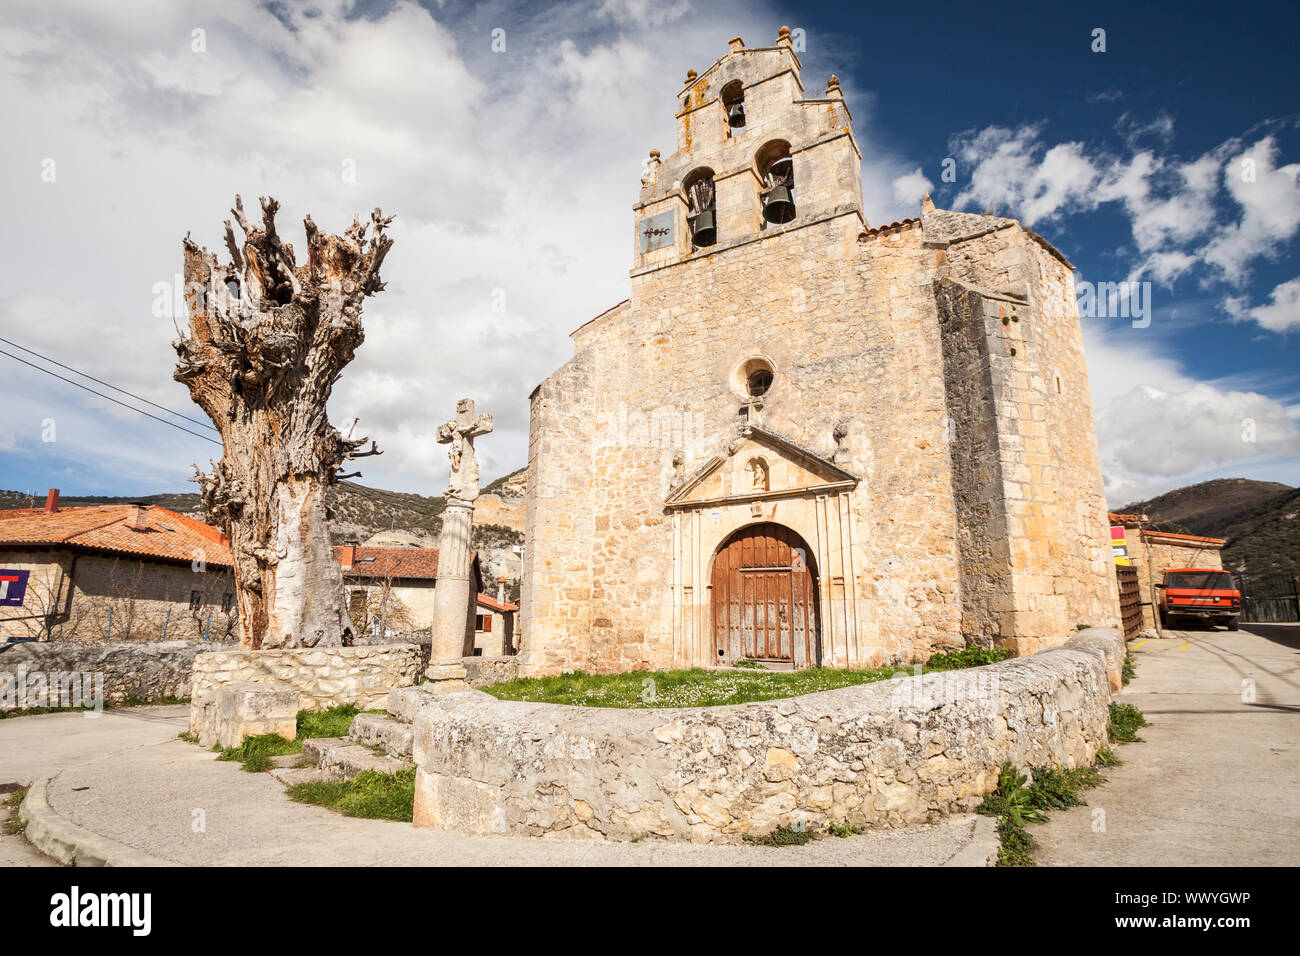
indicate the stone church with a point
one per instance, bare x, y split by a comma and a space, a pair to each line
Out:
803, 439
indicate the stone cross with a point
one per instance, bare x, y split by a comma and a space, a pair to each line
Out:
454, 598
460, 433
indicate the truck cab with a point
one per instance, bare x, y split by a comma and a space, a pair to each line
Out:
1209, 595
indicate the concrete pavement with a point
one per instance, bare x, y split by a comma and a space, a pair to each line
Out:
1215, 781
39, 746
131, 781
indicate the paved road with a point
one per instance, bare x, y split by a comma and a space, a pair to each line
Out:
1217, 778
32, 747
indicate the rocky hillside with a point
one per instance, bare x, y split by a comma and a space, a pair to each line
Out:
1259, 519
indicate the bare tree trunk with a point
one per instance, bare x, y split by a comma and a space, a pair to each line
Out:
267, 340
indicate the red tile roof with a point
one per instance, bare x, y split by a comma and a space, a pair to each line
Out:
165, 534
397, 561
488, 600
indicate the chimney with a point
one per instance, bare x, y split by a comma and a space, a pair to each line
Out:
348, 555
135, 518
501, 589
52, 501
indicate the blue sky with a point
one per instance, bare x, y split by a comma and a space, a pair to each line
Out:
155, 114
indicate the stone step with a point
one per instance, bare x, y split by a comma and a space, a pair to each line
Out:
403, 702
395, 736
291, 775
314, 748
346, 760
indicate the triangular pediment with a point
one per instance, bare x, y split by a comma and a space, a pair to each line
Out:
758, 464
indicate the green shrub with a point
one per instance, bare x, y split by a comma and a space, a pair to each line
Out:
782, 836
1012, 799
1015, 846
1125, 719
1106, 758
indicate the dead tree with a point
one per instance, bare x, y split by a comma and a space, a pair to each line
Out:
267, 340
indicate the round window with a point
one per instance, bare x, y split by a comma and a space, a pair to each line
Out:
754, 377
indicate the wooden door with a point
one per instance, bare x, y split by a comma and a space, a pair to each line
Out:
764, 597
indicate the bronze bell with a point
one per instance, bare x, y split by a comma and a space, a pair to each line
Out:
704, 232
736, 114
779, 207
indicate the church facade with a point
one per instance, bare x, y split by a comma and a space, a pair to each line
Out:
803, 439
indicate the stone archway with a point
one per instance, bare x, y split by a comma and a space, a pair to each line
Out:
764, 598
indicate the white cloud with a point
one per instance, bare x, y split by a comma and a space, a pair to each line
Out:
1158, 428
1269, 197
512, 175
1217, 213
1282, 312
910, 187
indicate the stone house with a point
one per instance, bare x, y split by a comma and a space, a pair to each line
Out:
390, 590
494, 624
114, 572
1153, 553
803, 438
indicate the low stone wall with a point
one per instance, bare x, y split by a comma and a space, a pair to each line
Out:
150, 671
889, 754
322, 676
484, 671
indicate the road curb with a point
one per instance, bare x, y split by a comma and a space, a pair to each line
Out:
983, 847
63, 840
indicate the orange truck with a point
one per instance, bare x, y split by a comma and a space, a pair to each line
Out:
1207, 594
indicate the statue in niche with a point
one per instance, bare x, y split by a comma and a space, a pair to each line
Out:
759, 479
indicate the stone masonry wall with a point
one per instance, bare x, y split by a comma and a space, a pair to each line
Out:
887, 754
323, 677
148, 671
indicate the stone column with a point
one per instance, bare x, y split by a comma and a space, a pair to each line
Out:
451, 596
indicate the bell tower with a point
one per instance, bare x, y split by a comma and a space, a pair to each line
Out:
755, 157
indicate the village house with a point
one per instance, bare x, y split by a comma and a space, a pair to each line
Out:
113, 572
1152, 553
494, 624
804, 439
140, 572
390, 590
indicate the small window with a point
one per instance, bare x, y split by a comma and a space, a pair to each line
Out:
753, 379
196, 601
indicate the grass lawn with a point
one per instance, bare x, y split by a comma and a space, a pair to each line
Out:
711, 688
376, 796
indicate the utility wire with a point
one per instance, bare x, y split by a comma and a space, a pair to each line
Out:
139, 398
87, 388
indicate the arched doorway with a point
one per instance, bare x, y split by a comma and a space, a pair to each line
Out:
764, 598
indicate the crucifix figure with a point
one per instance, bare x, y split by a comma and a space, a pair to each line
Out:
460, 434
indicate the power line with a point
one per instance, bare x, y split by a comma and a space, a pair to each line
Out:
140, 398
87, 388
